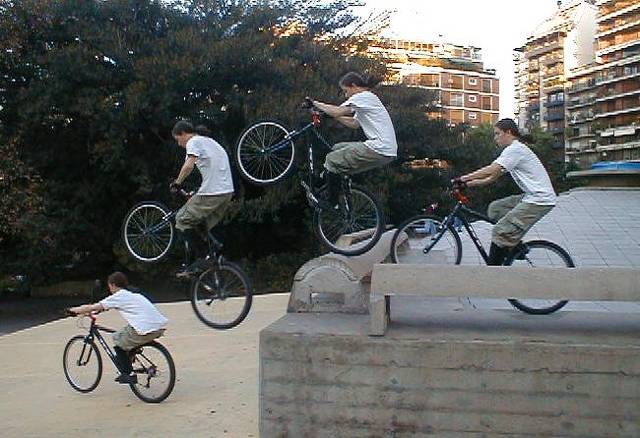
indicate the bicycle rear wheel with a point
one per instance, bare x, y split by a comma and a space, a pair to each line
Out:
155, 371
536, 253
263, 154
148, 232
355, 227
221, 296
82, 364
421, 239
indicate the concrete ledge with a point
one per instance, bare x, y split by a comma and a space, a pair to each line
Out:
603, 284
322, 376
337, 283
590, 284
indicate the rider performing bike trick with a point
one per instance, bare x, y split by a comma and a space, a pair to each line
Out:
362, 109
516, 214
212, 199
145, 322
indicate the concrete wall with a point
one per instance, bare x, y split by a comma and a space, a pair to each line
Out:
321, 376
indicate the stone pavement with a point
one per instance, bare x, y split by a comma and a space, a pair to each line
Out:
216, 392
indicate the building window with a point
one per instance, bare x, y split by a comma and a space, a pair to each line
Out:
486, 85
473, 116
457, 100
473, 98
473, 81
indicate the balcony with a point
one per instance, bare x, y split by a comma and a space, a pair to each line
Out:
614, 94
533, 106
534, 51
551, 104
626, 110
578, 103
622, 43
613, 11
553, 117
580, 117
611, 77
591, 83
617, 27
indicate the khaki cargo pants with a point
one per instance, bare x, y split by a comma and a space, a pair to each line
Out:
200, 209
514, 218
127, 338
349, 158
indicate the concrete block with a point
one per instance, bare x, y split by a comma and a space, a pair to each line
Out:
324, 377
337, 283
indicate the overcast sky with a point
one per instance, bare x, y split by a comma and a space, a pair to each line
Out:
496, 26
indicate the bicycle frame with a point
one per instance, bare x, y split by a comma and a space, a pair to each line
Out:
311, 126
461, 211
94, 333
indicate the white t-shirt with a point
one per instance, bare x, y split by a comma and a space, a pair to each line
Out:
374, 120
213, 163
136, 310
528, 173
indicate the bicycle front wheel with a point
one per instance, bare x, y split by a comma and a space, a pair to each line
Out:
353, 228
534, 254
221, 296
148, 232
82, 364
263, 153
155, 372
422, 239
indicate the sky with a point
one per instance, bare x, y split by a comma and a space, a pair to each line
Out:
496, 26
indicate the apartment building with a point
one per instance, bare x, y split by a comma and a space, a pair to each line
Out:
608, 90
561, 43
465, 91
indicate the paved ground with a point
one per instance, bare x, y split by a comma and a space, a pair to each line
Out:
597, 227
216, 394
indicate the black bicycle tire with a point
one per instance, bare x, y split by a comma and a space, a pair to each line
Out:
172, 379
568, 261
360, 250
404, 224
93, 346
244, 278
125, 240
241, 168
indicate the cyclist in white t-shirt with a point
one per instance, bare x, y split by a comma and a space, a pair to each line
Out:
515, 215
145, 322
207, 207
362, 109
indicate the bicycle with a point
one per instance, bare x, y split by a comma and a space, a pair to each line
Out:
220, 293
265, 154
151, 362
426, 238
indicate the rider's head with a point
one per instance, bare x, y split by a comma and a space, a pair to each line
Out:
353, 83
505, 131
117, 281
182, 132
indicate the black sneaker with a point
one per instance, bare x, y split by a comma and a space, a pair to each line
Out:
521, 251
127, 379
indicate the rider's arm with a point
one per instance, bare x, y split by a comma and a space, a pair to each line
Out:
87, 308
187, 167
349, 122
333, 110
484, 175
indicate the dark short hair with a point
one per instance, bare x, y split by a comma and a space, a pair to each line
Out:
118, 279
356, 79
508, 125
182, 127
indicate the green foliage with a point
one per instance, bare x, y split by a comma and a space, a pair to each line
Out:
90, 90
